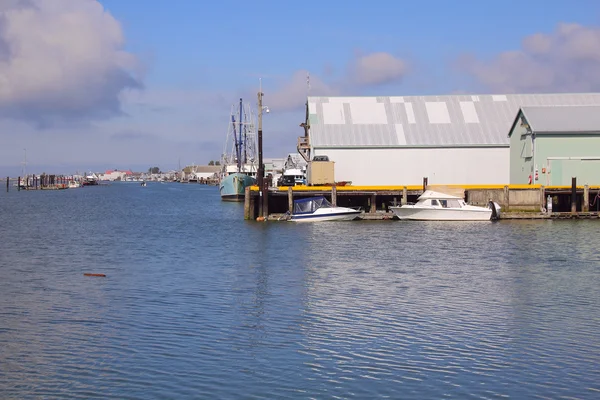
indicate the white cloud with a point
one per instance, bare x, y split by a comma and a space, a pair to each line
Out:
567, 59
62, 60
363, 71
377, 69
292, 94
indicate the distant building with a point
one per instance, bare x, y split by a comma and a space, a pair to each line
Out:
452, 139
550, 145
115, 175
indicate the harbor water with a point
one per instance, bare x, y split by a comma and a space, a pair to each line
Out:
198, 303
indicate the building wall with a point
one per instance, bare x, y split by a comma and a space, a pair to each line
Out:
521, 155
408, 166
584, 162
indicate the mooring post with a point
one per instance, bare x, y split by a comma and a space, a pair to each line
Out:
574, 195
18, 184
506, 198
404, 200
290, 199
542, 198
373, 203
7, 183
586, 198
425, 183
265, 199
334, 196
247, 202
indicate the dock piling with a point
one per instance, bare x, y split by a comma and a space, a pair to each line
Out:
247, 203
290, 199
334, 196
7, 183
506, 198
265, 199
542, 197
18, 184
425, 181
573, 195
586, 198
404, 200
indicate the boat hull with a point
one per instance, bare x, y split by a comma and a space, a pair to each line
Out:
233, 187
441, 214
329, 216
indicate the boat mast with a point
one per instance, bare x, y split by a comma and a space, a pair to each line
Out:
24, 164
245, 138
237, 147
240, 133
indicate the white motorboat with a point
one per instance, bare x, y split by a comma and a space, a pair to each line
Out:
320, 209
73, 184
435, 206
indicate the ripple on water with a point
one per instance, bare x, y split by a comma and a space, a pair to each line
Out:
198, 303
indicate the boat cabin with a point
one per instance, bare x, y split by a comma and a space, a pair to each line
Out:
310, 205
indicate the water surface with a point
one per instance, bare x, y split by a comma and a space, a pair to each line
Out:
198, 303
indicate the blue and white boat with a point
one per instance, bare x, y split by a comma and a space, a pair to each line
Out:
239, 161
318, 208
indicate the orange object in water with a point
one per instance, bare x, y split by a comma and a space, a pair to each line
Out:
99, 275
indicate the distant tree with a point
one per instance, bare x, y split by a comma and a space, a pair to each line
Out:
154, 170
211, 162
217, 163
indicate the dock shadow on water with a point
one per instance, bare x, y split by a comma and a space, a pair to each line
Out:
198, 303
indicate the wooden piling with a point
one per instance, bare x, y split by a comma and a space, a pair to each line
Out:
542, 198
373, 203
573, 195
425, 181
506, 198
586, 198
265, 199
290, 199
247, 214
404, 200
334, 196
18, 184
7, 183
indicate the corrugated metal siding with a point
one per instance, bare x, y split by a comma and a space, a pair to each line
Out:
333, 125
388, 166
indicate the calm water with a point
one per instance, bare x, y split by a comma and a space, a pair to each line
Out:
198, 303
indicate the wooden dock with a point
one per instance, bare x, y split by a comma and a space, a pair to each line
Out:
517, 201
39, 182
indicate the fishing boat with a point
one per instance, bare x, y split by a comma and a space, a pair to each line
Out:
435, 206
90, 179
239, 163
318, 208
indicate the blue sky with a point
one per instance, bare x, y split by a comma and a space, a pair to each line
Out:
132, 83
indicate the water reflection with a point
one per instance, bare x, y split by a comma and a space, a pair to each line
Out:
198, 303
451, 303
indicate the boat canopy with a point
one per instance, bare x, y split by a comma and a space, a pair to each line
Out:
310, 205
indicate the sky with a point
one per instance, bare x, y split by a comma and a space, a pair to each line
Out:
129, 84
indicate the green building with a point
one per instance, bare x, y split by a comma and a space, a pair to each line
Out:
551, 144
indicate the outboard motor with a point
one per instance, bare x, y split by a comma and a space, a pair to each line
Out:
495, 207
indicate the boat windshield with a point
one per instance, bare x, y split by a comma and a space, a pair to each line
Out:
310, 205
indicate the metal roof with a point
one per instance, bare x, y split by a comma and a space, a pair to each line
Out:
438, 121
563, 119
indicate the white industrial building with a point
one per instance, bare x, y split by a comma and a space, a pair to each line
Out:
453, 139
